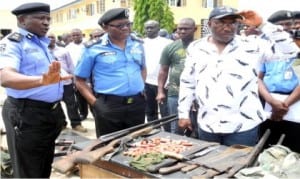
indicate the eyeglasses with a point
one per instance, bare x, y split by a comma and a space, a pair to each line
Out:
223, 23
121, 26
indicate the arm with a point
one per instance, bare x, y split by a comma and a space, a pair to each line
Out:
162, 78
186, 92
85, 90
293, 97
144, 73
279, 109
70, 64
282, 45
10, 78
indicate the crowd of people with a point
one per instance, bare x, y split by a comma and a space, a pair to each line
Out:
218, 85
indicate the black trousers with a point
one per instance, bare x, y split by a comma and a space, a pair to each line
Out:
32, 127
114, 113
152, 105
71, 105
290, 129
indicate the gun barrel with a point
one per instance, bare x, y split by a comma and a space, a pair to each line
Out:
131, 129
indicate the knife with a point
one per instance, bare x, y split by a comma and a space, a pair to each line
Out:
178, 166
175, 156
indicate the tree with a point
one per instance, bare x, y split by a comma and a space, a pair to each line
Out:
155, 10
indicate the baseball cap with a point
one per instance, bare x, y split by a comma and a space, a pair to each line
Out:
224, 11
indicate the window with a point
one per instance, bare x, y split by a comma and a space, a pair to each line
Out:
211, 3
204, 28
72, 13
177, 3
90, 9
123, 3
100, 6
59, 17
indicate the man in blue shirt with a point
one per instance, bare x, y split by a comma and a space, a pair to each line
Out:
32, 113
116, 65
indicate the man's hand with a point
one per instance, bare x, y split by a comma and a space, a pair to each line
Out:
251, 18
185, 124
53, 74
160, 97
279, 109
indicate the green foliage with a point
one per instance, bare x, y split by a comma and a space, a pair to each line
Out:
154, 10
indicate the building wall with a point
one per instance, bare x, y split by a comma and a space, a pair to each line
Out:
87, 23
61, 23
8, 22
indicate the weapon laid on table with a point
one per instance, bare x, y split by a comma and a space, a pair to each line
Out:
201, 150
187, 166
67, 163
92, 156
252, 156
222, 163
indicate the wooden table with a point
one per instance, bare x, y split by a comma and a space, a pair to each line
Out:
118, 166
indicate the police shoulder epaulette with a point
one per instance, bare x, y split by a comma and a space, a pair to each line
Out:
133, 37
16, 37
92, 42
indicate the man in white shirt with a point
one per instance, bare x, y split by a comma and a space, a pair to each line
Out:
75, 49
63, 56
221, 73
153, 45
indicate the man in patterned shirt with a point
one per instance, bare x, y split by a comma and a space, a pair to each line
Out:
221, 74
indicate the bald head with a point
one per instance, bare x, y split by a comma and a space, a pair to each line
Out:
151, 28
186, 29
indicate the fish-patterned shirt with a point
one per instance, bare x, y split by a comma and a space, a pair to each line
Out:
226, 84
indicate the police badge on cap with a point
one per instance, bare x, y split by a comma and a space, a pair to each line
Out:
113, 14
280, 16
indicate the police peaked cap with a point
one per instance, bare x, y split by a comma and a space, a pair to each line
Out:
296, 14
29, 8
113, 14
280, 16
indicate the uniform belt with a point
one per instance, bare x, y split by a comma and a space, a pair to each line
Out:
119, 99
33, 103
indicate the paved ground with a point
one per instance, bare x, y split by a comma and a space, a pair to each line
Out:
88, 123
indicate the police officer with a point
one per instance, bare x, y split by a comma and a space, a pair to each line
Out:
279, 78
117, 66
32, 113
296, 33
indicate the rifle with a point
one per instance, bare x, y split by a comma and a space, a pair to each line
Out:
92, 156
252, 156
67, 163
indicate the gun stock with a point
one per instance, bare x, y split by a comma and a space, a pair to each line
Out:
89, 155
92, 156
67, 163
252, 156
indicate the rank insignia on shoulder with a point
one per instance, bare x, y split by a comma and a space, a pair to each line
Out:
134, 37
16, 37
91, 42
